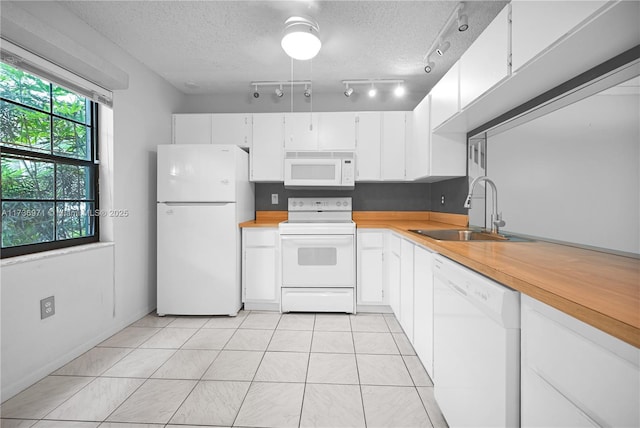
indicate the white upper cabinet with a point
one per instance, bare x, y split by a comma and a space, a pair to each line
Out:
231, 128
337, 131
486, 62
393, 145
301, 131
267, 151
417, 156
432, 156
368, 140
538, 24
191, 129
445, 96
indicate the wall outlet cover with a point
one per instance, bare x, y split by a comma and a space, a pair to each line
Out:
274, 199
47, 307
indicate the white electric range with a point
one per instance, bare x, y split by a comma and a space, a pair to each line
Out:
318, 256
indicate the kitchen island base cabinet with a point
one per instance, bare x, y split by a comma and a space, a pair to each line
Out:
573, 374
260, 269
393, 246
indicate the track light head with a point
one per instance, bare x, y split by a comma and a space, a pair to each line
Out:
429, 67
307, 91
399, 90
256, 94
463, 22
348, 91
372, 91
279, 92
444, 47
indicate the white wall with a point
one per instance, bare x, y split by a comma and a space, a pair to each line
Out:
85, 283
573, 175
82, 282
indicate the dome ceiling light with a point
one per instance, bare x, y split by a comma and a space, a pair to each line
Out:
300, 38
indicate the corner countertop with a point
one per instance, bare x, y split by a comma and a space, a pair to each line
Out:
600, 289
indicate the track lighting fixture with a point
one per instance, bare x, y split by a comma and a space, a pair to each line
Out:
372, 91
463, 22
444, 47
348, 91
399, 90
429, 67
279, 90
439, 45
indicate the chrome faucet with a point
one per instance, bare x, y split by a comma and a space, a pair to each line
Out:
496, 217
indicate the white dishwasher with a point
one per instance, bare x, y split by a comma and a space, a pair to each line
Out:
476, 348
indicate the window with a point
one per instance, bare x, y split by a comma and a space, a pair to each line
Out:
48, 146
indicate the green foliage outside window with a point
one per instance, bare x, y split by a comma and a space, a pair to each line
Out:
48, 175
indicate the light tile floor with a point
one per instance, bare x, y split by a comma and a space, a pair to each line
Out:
259, 369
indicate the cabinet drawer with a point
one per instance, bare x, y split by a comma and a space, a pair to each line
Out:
260, 238
371, 240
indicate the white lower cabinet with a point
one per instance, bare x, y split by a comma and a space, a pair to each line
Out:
406, 288
260, 269
574, 375
423, 306
393, 272
370, 265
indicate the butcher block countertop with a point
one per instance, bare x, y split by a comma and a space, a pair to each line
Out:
601, 289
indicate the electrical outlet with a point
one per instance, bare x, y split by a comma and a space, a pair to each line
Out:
274, 199
442, 199
47, 307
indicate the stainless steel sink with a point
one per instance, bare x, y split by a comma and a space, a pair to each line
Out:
465, 235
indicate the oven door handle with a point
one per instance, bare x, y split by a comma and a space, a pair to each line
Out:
306, 240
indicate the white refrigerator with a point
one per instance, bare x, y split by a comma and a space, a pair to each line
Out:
203, 194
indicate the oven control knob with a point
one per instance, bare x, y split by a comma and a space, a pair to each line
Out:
338, 203
345, 203
293, 204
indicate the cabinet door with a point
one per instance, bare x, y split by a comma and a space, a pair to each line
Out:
260, 274
260, 266
231, 129
594, 371
538, 24
370, 268
423, 307
337, 131
191, 129
419, 147
393, 270
393, 145
445, 97
301, 131
486, 62
368, 139
406, 288
267, 151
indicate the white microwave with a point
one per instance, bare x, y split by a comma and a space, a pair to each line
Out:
329, 170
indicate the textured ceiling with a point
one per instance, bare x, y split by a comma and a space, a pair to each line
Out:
208, 47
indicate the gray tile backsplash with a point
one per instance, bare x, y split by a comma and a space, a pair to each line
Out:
377, 196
